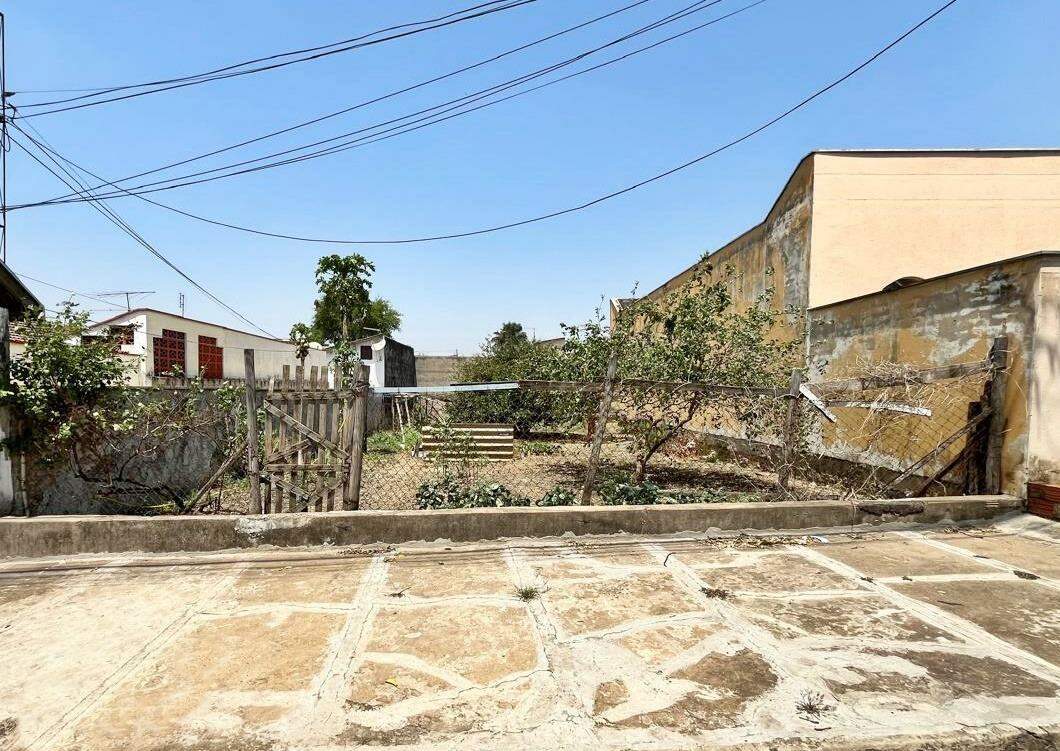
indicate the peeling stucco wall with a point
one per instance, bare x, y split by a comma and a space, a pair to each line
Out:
951, 319
773, 254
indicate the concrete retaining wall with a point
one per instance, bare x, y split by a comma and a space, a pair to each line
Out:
68, 535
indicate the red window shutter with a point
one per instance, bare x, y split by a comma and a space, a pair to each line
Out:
169, 353
211, 358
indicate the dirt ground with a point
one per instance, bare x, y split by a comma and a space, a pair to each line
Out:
390, 480
937, 638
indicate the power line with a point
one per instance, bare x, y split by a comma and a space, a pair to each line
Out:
219, 73
629, 188
125, 227
382, 97
416, 120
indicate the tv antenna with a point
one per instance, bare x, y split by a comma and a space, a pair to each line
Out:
128, 295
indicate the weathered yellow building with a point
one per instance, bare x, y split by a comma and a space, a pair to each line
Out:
921, 257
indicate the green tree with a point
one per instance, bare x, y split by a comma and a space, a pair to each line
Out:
64, 385
509, 336
693, 334
344, 308
508, 355
301, 335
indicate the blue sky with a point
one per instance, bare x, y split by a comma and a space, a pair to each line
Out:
981, 75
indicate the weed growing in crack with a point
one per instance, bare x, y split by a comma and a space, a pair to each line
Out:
1026, 575
716, 593
812, 703
526, 594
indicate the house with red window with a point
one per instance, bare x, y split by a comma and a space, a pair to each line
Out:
159, 344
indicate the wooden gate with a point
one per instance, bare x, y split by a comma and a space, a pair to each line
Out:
308, 444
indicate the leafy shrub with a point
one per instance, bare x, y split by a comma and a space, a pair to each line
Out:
446, 492
628, 494
449, 493
558, 497
698, 496
493, 495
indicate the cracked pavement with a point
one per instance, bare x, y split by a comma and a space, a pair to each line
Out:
932, 638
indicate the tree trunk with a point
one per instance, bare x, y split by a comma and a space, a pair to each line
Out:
640, 470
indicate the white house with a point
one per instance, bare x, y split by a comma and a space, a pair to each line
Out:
160, 342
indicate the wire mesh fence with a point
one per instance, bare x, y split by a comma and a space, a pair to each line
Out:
902, 431
912, 437
892, 431
532, 446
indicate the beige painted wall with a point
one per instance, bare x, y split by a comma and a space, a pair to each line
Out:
773, 254
879, 217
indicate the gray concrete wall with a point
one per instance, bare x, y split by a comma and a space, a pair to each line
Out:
43, 536
437, 370
183, 467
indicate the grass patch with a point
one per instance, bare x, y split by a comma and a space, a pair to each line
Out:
812, 703
538, 448
716, 593
526, 594
393, 441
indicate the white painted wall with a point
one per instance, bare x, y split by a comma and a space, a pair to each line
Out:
270, 354
376, 367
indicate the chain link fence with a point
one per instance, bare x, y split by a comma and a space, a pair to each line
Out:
892, 431
532, 445
898, 431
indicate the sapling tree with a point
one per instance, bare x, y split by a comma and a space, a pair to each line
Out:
694, 334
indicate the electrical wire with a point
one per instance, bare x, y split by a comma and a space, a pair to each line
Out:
416, 120
460, 108
218, 75
377, 99
125, 227
629, 188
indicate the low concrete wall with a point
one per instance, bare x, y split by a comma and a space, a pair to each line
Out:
69, 535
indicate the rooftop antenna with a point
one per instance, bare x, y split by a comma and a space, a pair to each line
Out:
128, 295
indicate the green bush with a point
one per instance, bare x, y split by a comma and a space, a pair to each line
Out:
628, 494
446, 492
697, 496
449, 493
558, 497
493, 495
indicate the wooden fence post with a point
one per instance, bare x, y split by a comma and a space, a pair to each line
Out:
359, 418
253, 465
790, 437
601, 429
995, 437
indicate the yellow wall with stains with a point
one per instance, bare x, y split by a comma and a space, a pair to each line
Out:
946, 320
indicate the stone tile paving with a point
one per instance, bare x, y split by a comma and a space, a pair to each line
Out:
885, 640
